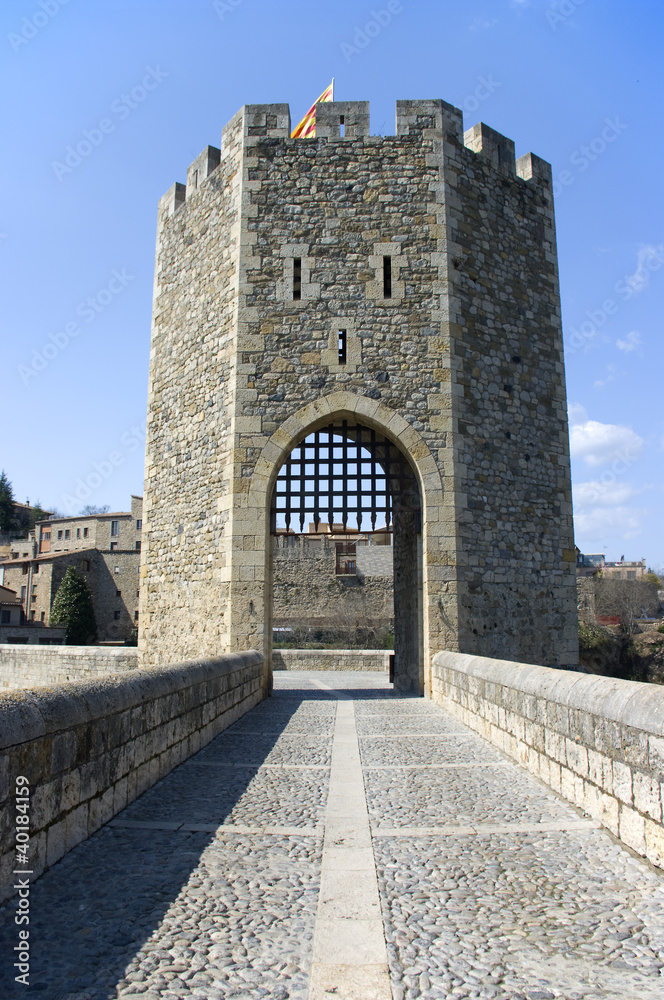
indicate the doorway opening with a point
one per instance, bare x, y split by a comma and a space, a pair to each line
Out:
345, 523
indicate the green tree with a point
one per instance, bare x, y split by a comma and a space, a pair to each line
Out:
72, 606
6, 503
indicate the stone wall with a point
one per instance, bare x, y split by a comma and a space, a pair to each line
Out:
331, 659
597, 741
36, 666
112, 576
89, 748
308, 592
32, 635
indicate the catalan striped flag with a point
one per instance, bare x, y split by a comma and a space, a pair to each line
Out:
307, 127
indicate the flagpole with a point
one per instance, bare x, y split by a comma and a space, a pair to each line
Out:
332, 88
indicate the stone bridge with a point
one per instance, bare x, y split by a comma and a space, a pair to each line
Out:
338, 839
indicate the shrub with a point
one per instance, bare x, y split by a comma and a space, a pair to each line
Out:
592, 638
72, 607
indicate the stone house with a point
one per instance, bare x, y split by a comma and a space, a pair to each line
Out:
336, 585
16, 630
104, 548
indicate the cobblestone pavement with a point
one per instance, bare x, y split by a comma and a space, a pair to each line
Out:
207, 886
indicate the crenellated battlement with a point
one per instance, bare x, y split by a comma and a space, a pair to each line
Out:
349, 120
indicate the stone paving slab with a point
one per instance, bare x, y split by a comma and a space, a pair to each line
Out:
252, 871
409, 750
531, 915
459, 795
257, 749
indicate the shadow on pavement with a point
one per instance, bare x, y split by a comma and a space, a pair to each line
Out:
92, 911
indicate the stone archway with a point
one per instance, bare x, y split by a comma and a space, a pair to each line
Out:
428, 628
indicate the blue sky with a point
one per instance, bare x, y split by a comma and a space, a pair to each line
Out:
579, 82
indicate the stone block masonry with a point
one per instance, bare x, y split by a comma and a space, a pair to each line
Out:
459, 364
597, 741
35, 666
332, 659
89, 748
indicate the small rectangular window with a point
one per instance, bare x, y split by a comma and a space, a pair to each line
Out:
67, 533
114, 546
138, 546
35, 568
297, 279
23, 593
59, 535
135, 616
116, 569
42, 617
86, 532
117, 614
341, 341
78, 532
387, 277
33, 591
139, 524
138, 593
25, 569
85, 565
32, 616
342, 127
118, 593
46, 536
115, 528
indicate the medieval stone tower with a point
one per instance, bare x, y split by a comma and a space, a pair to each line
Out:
405, 286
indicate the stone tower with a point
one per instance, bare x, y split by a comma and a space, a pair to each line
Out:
434, 253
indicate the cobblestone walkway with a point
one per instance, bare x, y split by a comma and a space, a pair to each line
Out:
345, 844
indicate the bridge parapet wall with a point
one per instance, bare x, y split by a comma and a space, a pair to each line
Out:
331, 659
598, 741
89, 748
34, 666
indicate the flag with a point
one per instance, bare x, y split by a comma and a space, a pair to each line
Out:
307, 127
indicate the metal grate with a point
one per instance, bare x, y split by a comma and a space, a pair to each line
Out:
344, 475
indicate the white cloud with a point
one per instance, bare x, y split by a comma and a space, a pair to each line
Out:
596, 523
649, 258
576, 414
603, 493
597, 443
610, 376
632, 341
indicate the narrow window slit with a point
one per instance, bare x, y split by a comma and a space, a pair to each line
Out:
297, 278
342, 346
387, 277
342, 127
